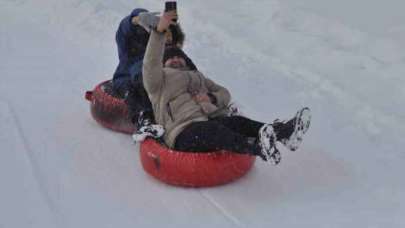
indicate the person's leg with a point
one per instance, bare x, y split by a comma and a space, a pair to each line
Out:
242, 125
264, 134
141, 113
142, 116
208, 136
132, 100
251, 128
142, 107
139, 106
125, 90
119, 88
227, 133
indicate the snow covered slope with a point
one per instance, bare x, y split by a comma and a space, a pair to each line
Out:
60, 169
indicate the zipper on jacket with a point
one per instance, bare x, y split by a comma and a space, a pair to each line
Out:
169, 111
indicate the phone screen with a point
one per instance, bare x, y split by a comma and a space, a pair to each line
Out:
169, 6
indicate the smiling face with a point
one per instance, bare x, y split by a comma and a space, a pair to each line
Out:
175, 62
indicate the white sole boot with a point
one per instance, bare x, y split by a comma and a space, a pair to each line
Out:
302, 121
267, 142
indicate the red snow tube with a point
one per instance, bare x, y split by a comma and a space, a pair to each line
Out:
172, 167
193, 169
108, 110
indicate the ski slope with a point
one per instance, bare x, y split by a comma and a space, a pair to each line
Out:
59, 168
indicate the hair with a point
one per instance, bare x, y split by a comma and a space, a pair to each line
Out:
178, 35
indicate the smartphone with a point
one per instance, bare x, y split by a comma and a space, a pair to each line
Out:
169, 6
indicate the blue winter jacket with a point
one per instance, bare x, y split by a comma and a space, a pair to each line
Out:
131, 41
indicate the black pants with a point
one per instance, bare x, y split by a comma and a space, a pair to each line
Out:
137, 101
224, 133
139, 104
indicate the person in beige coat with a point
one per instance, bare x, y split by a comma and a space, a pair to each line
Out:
192, 108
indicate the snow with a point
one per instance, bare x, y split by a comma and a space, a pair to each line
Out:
61, 169
371, 16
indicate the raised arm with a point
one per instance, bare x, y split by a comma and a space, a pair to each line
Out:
152, 63
128, 29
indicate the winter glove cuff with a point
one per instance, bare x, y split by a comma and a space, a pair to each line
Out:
213, 98
148, 20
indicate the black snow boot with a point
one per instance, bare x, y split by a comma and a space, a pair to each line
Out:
291, 132
146, 128
267, 142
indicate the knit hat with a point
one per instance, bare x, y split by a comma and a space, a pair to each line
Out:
137, 11
173, 51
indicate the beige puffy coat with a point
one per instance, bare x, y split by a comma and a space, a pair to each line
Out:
171, 92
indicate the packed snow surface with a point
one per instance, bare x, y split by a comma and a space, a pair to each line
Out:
59, 168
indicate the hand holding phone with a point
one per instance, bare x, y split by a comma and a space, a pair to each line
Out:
171, 6
165, 21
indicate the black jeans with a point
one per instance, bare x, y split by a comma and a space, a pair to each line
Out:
137, 101
223, 133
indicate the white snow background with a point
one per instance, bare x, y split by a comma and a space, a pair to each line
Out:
344, 59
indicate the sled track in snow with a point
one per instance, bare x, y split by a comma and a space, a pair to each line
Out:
234, 220
33, 163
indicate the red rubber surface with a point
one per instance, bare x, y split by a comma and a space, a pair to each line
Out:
172, 167
109, 111
193, 169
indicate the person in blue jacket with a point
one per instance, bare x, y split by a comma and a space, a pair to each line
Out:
131, 39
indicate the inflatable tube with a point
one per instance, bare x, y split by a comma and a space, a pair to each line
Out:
193, 169
169, 166
108, 110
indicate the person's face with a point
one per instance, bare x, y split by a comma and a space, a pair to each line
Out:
175, 62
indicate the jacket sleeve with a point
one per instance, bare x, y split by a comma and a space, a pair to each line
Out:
148, 20
221, 94
152, 63
124, 30
122, 73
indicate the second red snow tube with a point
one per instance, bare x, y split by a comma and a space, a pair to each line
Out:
108, 110
169, 166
